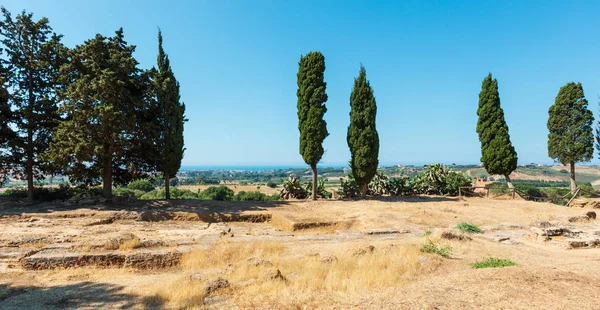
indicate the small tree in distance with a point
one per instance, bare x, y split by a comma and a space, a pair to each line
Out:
362, 138
497, 152
311, 109
571, 138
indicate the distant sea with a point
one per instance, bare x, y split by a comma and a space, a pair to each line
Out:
252, 167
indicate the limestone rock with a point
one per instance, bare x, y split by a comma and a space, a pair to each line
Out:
256, 261
454, 234
215, 285
328, 258
363, 251
273, 274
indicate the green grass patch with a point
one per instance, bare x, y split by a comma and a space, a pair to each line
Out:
441, 250
469, 228
427, 232
492, 262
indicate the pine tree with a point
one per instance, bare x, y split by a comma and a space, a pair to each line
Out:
363, 139
104, 91
6, 133
497, 152
571, 138
33, 56
311, 109
169, 119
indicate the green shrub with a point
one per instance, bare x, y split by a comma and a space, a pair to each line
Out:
254, 196
437, 179
176, 193
293, 189
492, 262
469, 228
142, 185
243, 183
272, 184
441, 250
348, 188
128, 194
216, 193
40, 193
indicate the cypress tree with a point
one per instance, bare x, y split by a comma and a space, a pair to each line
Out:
311, 109
104, 90
33, 56
571, 138
169, 120
497, 152
362, 137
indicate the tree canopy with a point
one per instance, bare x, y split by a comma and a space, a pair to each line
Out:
311, 109
362, 138
498, 155
570, 138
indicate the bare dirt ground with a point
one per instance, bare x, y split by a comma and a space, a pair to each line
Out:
363, 254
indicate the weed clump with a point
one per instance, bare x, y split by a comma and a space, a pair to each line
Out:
441, 250
469, 228
492, 262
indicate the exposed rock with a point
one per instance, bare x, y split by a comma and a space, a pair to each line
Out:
109, 220
113, 243
363, 251
328, 258
454, 234
578, 218
215, 300
246, 282
384, 231
147, 260
423, 259
541, 224
215, 285
256, 261
273, 274
61, 258
584, 243
197, 277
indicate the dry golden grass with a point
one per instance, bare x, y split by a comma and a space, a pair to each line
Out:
307, 278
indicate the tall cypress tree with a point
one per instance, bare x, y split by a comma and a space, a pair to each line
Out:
311, 109
571, 138
363, 139
497, 152
169, 120
33, 57
104, 89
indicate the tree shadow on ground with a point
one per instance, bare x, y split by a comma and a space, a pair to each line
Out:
85, 295
418, 198
17, 207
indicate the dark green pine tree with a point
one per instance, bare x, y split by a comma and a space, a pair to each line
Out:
363, 139
6, 133
34, 55
169, 119
497, 152
311, 109
104, 90
571, 138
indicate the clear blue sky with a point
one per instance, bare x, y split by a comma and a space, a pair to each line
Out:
237, 63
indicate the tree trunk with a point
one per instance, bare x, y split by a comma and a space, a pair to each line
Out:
509, 181
363, 189
314, 182
167, 184
573, 184
29, 168
107, 174
29, 146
